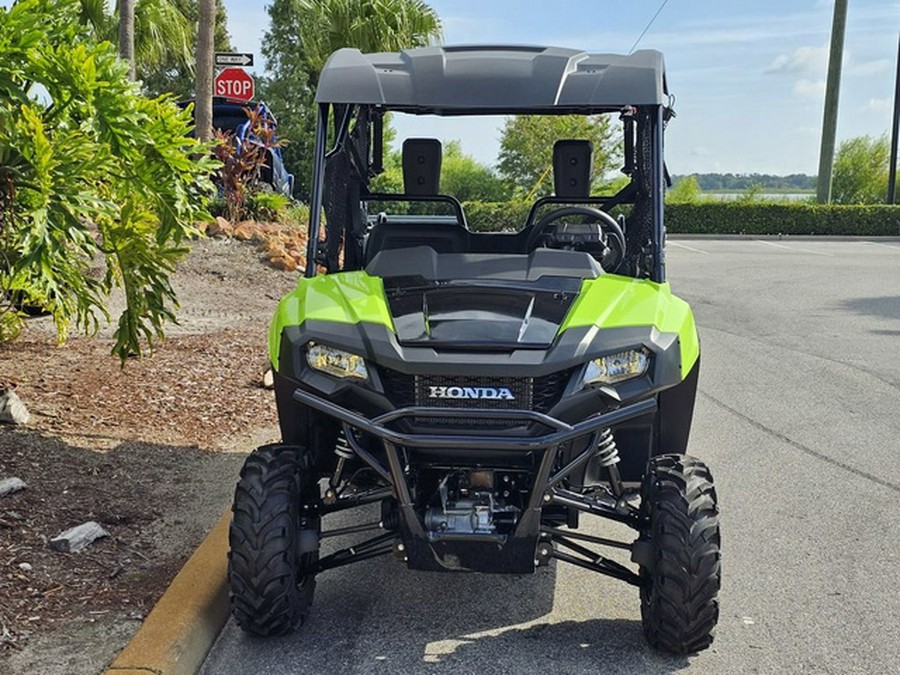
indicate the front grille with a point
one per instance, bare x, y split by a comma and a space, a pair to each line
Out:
488, 393
539, 393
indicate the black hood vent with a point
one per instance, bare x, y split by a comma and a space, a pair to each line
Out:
479, 315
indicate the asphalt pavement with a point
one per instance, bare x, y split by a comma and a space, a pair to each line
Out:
798, 416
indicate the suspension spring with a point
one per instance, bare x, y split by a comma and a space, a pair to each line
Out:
607, 452
342, 448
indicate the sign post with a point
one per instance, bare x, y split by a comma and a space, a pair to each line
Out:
234, 84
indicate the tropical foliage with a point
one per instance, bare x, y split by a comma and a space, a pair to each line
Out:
164, 36
303, 33
242, 163
99, 186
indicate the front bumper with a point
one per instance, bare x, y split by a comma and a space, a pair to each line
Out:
519, 551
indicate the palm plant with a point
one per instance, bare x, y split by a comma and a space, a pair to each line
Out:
163, 32
368, 25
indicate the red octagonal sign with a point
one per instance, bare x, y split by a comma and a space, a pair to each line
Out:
234, 84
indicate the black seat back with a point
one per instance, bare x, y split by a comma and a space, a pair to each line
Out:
422, 166
572, 168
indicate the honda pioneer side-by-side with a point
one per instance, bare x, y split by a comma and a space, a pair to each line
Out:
488, 391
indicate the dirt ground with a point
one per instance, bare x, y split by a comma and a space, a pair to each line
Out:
151, 452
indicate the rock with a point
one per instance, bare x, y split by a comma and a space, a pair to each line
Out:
12, 410
10, 485
244, 230
268, 380
220, 227
25, 567
284, 262
77, 538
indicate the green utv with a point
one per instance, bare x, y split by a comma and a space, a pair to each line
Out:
489, 392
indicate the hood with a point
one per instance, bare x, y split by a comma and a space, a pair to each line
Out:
471, 315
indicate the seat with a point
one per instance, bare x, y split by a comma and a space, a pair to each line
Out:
442, 237
421, 178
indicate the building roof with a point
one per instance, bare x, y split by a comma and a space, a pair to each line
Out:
494, 80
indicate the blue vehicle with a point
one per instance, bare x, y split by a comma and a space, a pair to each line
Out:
232, 116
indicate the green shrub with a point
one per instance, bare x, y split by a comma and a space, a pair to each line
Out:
725, 217
496, 216
270, 206
766, 218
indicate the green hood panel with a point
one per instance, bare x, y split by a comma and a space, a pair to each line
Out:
348, 297
612, 301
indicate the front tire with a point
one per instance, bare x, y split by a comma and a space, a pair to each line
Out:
679, 602
272, 582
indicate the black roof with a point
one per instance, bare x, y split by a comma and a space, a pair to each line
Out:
494, 79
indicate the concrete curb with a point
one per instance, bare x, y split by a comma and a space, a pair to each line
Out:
180, 630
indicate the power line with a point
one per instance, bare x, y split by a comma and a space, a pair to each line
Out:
644, 32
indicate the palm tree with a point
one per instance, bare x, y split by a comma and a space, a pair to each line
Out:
126, 34
150, 33
368, 25
206, 29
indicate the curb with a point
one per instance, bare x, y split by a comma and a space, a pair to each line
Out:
183, 625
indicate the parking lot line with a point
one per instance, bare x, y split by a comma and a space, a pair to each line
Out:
795, 249
896, 247
689, 248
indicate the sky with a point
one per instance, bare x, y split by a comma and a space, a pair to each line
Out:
748, 77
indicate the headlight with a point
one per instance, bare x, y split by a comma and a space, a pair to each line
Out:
617, 367
335, 362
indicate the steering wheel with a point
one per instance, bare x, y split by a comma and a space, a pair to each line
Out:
607, 223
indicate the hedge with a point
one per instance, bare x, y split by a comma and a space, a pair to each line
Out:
765, 218
725, 218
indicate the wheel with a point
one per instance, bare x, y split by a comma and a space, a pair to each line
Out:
681, 565
274, 547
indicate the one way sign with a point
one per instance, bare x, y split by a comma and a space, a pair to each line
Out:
233, 59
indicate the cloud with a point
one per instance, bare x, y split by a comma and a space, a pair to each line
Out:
807, 60
866, 68
701, 151
879, 105
814, 89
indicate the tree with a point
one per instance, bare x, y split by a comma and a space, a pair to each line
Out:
90, 172
126, 34
686, 190
206, 29
303, 33
526, 148
467, 179
174, 75
861, 171
162, 32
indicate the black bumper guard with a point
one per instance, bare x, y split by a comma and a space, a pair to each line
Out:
528, 545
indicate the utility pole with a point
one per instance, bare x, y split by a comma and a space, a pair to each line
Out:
126, 34
832, 93
895, 132
203, 76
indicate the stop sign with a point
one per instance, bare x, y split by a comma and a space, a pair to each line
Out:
235, 84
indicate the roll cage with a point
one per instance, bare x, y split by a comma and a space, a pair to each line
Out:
356, 90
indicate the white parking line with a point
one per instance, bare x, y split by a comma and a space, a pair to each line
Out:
896, 247
689, 248
795, 249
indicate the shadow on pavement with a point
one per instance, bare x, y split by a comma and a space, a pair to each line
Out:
885, 307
